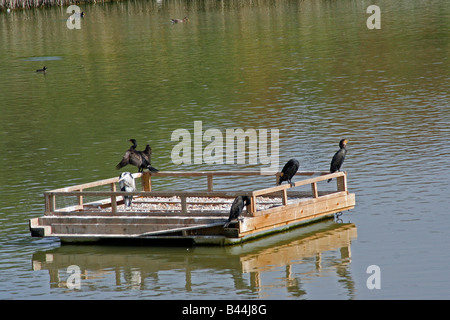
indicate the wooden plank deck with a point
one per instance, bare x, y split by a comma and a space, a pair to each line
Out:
199, 215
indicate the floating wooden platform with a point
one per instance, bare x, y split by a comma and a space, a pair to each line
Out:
81, 214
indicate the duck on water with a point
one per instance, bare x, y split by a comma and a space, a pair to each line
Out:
43, 70
185, 19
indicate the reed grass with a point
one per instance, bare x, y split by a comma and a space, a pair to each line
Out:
25, 4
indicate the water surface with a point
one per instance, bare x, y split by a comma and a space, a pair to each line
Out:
310, 69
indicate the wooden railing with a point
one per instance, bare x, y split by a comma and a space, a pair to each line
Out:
79, 191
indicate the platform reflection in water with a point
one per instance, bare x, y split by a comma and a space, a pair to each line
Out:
255, 268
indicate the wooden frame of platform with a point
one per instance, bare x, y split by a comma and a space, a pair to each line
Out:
187, 215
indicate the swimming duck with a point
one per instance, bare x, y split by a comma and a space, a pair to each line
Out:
185, 19
42, 70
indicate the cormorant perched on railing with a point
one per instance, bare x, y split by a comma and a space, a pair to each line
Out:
126, 183
338, 158
236, 208
288, 171
140, 159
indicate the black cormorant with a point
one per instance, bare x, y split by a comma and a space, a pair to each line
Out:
140, 159
42, 70
338, 158
289, 170
134, 144
126, 183
236, 208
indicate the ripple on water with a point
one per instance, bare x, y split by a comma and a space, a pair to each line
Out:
44, 58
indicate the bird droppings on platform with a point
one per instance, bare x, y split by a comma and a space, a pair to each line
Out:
199, 204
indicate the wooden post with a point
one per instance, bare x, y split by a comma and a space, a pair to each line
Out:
47, 202
342, 183
285, 197
210, 182
249, 208
50, 202
146, 181
252, 206
113, 204
315, 192
183, 204
80, 199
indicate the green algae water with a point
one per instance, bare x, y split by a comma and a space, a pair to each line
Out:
311, 69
